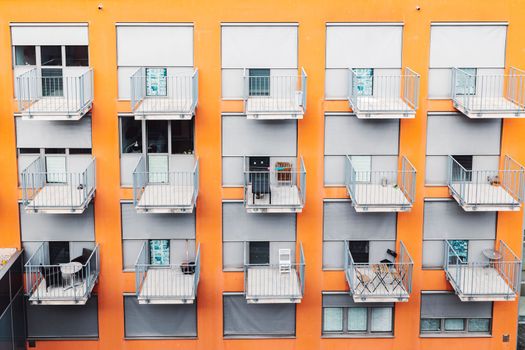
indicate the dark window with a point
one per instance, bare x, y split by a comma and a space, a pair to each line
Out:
55, 151
58, 253
52, 82
459, 174
259, 82
25, 55
77, 56
80, 151
51, 55
29, 150
259, 253
131, 135
359, 250
157, 132
182, 136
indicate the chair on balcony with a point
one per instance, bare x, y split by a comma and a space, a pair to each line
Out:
363, 280
260, 177
285, 261
82, 259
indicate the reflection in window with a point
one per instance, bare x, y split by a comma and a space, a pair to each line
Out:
131, 135
157, 136
259, 82
159, 251
466, 81
459, 252
454, 324
51, 55
430, 325
52, 82
479, 325
333, 319
77, 56
182, 136
364, 81
25, 55
381, 320
156, 82
357, 319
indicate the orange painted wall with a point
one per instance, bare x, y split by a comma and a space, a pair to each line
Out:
206, 15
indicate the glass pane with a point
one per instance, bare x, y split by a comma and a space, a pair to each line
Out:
131, 135
159, 251
332, 319
359, 250
157, 131
454, 324
459, 252
381, 319
25, 55
59, 253
357, 319
459, 174
364, 81
259, 253
56, 169
156, 81
182, 136
158, 168
430, 325
52, 82
466, 81
77, 56
259, 82
51, 55
362, 165
479, 325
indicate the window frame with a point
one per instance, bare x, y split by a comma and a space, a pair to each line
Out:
351, 334
465, 332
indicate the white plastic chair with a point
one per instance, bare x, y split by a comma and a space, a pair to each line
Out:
285, 260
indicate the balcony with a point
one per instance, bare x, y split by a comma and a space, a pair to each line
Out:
275, 97
274, 283
61, 284
381, 191
481, 96
385, 282
280, 188
64, 97
57, 192
161, 190
166, 284
489, 280
487, 190
175, 97
393, 96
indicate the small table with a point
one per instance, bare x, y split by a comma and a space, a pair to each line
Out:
68, 271
493, 256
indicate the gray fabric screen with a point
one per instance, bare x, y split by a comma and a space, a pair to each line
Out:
441, 305
158, 321
243, 319
53, 134
63, 321
346, 300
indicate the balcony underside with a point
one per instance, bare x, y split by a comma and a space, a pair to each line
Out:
271, 286
284, 199
488, 108
381, 108
273, 108
164, 108
480, 284
167, 286
59, 199
78, 294
54, 109
378, 198
166, 198
481, 197
381, 288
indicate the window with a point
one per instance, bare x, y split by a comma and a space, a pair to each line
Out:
359, 250
357, 320
157, 133
466, 81
381, 319
455, 325
364, 81
51, 55
52, 82
466, 162
259, 82
333, 319
77, 56
363, 166
259, 253
156, 81
56, 169
479, 325
159, 251
459, 253
25, 55
182, 136
131, 131
58, 253
430, 325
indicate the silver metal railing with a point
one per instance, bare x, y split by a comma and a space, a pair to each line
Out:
487, 187
64, 95
273, 281
282, 186
489, 93
179, 94
367, 187
389, 93
173, 281
380, 280
59, 190
61, 282
472, 279
166, 189
275, 93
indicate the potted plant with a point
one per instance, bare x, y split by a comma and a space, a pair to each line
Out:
187, 267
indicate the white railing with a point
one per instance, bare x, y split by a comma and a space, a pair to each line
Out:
380, 280
487, 187
489, 93
472, 279
179, 96
60, 282
59, 190
67, 95
389, 93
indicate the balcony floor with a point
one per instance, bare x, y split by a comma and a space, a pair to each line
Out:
266, 285
55, 108
378, 198
480, 283
483, 107
60, 295
370, 107
484, 197
152, 108
167, 286
387, 292
265, 107
59, 199
284, 197
161, 197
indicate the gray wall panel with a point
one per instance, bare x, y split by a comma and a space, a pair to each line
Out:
334, 167
128, 163
437, 167
434, 252
449, 305
53, 134
346, 300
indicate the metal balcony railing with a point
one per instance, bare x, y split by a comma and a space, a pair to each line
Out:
57, 192
381, 191
487, 190
61, 284
166, 284
165, 191
177, 99
489, 95
387, 281
275, 96
388, 96
491, 280
274, 283
54, 97
281, 188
